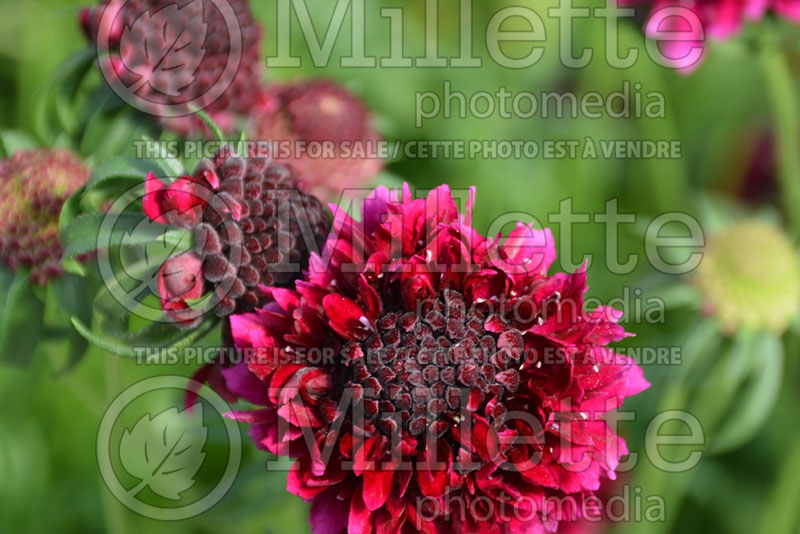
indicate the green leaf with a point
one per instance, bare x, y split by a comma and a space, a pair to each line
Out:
70, 293
717, 389
117, 349
159, 242
83, 233
6, 279
73, 266
782, 514
147, 342
700, 345
171, 166
68, 82
12, 141
71, 208
111, 132
93, 231
754, 404
117, 177
56, 109
135, 169
123, 193
20, 320
676, 295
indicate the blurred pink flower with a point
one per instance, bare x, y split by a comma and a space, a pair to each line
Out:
320, 111
719, 19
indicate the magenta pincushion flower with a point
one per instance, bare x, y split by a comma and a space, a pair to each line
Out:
34, 185
720, 19
427, 379
171, 53
253, 224
326, 113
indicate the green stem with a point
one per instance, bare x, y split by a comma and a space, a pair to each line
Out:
701, 343
781, 513
783, 99
669, 178
209, 122
113, 514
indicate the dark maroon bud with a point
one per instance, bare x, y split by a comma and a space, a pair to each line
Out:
232, 168
248, 301
206, 240
232, 186
240, 248
249, 275
215, 268
143, 22
225, 307
231, 233
320, 110
237, 288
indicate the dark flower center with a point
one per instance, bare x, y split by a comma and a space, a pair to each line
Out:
422, 367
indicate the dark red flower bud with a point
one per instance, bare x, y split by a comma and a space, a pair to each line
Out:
180, 280
252, 222
179, 204
85, 20
33, 187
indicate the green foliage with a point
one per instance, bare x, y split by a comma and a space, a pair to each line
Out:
53, 399
69, 293
21, 318
86, 227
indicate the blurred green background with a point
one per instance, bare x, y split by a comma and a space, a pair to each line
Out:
49, 479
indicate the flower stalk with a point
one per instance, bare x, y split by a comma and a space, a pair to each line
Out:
786, 117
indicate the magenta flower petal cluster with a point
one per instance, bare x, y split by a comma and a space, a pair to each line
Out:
425, 378
720, 19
